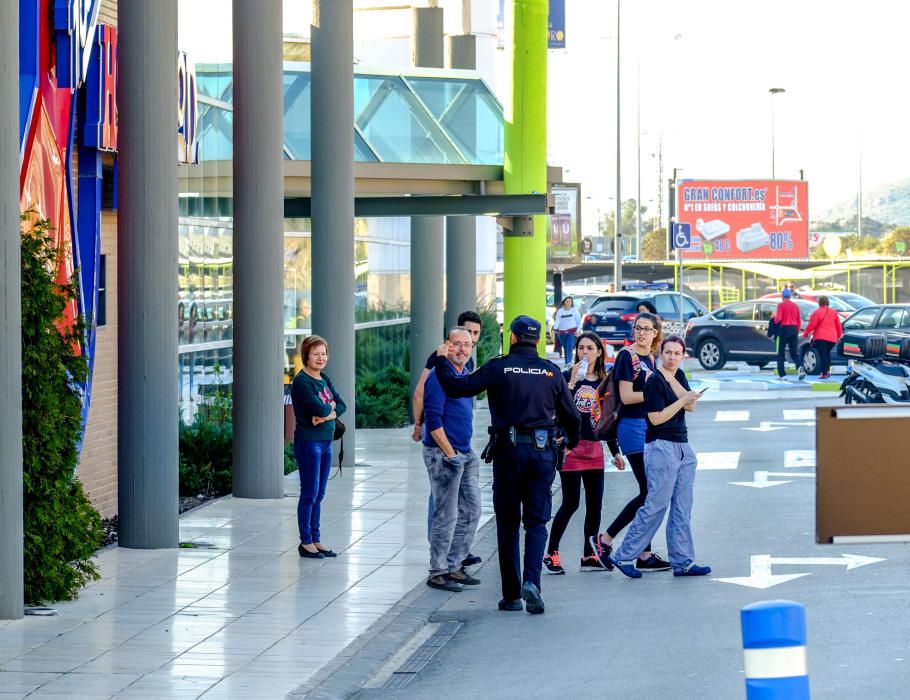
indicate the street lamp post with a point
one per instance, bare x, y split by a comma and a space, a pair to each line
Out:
773, 92
617, 235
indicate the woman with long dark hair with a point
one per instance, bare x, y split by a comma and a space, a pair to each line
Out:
316, 406
633, 367
670, 465
585, 463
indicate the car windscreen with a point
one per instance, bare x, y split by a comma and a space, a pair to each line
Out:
857, 301
603, 305
805, 308
838, 304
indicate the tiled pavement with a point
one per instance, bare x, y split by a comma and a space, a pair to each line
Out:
240, 615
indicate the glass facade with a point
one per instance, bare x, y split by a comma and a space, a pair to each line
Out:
398, 118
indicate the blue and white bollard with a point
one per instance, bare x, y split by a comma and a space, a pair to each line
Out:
774, 650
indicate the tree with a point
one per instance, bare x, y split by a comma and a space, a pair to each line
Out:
628, 222
654, 245
62, 530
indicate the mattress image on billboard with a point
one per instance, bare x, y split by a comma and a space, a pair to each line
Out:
710, 230
752, 238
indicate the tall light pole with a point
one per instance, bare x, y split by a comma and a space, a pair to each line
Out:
617, 235
773, 92
638, 161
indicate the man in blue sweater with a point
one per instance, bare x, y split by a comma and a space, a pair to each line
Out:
454, 471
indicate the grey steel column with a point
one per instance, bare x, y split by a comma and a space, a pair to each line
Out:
258, 250
332, 67
11, 582
461, 231
427, 232
427, 332
147, 274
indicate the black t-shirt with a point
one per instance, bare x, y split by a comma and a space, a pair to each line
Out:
658, 395
585, 396
624, 369
431, 362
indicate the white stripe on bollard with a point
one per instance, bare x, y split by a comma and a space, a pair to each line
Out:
782, 662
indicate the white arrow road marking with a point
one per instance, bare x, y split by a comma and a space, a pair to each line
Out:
718, 460
852, 561
768, 425
799, 414
761, 576
760, 479
731, 416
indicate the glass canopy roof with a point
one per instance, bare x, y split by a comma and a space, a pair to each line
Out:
427, 116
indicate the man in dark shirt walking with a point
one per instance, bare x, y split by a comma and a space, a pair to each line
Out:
788, 320
529, 400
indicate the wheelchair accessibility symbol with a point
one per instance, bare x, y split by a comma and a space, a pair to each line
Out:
681, 235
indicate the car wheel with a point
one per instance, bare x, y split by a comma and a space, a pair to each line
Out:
710, 354
811, 361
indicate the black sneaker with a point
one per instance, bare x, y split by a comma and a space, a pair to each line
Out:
510, 605
471, 560
553, 564
464, 578
652, 563
592, 563
443, 583
531, 595
602, 551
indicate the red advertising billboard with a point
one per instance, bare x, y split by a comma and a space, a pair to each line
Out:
744, 219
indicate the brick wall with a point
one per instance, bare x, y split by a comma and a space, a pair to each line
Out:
98, 462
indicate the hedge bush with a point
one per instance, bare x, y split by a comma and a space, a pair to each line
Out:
62, 529
382, 398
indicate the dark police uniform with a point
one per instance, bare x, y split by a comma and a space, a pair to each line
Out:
527, 394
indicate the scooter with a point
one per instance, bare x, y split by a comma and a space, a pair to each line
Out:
878, 369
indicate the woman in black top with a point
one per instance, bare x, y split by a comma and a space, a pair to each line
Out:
670, 465
585, 463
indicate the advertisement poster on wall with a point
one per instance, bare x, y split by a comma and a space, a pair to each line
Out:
564, 242
745, 219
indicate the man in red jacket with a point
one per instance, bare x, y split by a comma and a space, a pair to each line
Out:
788, 320
825, 329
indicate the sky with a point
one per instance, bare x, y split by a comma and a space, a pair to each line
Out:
705, 69
702, 70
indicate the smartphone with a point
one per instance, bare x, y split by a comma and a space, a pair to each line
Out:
704, 390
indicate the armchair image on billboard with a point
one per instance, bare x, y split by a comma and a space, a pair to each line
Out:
710, 230
752, 238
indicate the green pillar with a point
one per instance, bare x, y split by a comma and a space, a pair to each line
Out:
525, 166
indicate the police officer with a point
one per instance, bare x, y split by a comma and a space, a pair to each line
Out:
529, 401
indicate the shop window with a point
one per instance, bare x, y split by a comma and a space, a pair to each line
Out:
101, 309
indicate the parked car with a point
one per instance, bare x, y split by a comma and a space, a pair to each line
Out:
836, 302
740, 332
857, 301
611, 315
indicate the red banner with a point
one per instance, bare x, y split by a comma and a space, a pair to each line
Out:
745, 219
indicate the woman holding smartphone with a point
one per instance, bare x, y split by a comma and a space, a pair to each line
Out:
670, 467
633, 367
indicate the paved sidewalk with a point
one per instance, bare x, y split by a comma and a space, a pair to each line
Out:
240, 615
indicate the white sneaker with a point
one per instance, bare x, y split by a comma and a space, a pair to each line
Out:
801, 374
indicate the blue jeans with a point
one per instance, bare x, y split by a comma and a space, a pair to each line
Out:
567, 340
314, 460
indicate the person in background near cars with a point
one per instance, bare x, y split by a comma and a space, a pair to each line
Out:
316, 406
566, 321
793, 292
454, 471
670, 465
788, 320
633, 367
645, 306
585, 463
825, 329
471, 321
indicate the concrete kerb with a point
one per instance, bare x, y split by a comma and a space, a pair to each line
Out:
363, 659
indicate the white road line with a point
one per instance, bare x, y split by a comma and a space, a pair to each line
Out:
725, 416
799, 458
799, 414
718, 460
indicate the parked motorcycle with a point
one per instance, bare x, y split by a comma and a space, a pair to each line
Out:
878, 369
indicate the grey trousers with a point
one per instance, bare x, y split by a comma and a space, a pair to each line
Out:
670, 468
455, 485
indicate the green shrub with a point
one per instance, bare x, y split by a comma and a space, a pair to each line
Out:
62, 529
206, 454
382, 398
490, 342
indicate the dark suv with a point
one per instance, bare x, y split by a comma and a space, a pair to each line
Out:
611, 315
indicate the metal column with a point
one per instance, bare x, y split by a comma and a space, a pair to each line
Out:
147, 270
427, 330
461, 231
258, 250
11, 576
427, 232
333, 192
